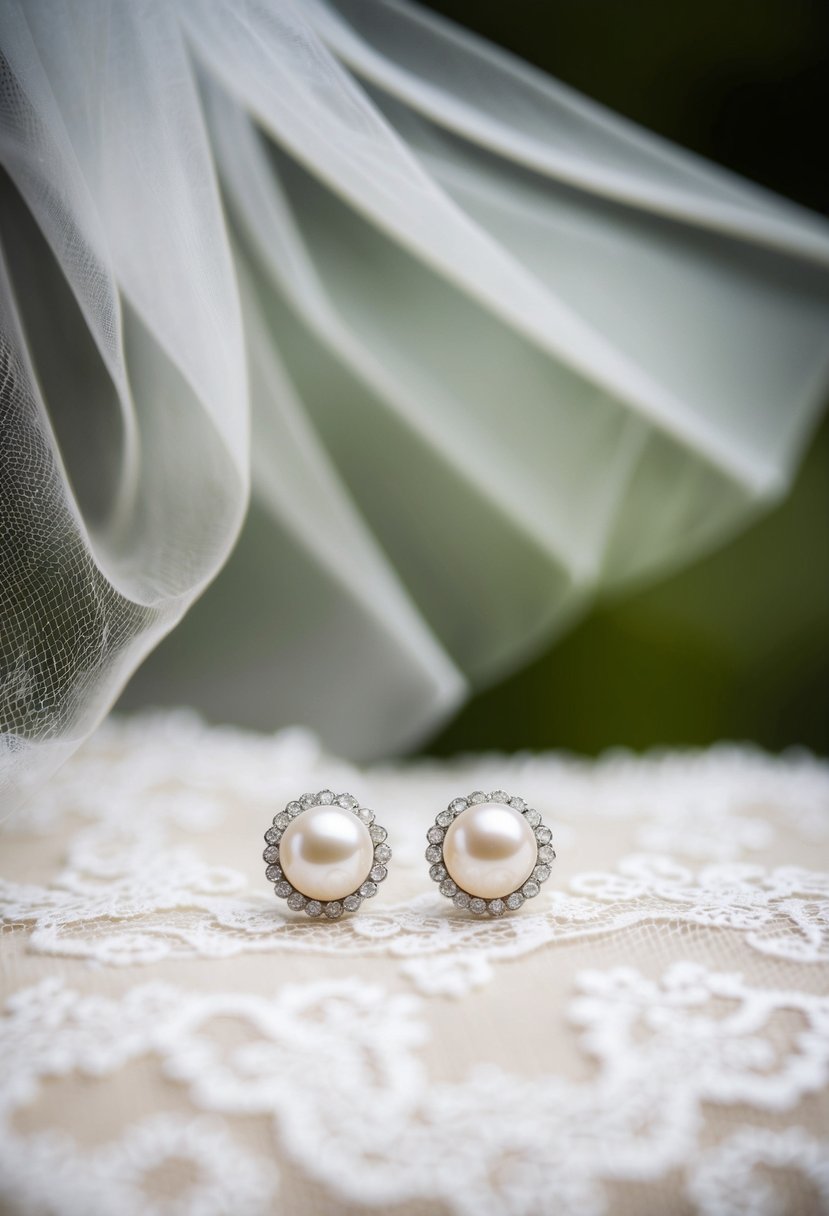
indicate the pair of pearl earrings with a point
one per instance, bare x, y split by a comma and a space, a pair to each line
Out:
325, 853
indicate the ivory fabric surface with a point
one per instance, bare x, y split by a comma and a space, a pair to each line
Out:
459, 347
650, 1034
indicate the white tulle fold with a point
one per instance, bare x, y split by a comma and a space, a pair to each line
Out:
103, 138
504, 105
498, 348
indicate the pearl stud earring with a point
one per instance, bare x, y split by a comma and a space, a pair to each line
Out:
489, 852
325, 854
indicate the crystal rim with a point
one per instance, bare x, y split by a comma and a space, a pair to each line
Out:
466, 900
329, 909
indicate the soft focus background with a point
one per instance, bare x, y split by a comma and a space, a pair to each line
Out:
736, 646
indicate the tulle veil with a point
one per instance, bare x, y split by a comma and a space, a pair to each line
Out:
419, 348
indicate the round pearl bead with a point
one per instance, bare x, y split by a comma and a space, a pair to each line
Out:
326, 852
490, 850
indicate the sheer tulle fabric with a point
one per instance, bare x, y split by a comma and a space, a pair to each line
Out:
499, 350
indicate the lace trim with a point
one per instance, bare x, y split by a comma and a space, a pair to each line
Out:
140, 904
695, 1078
335, 1068
129, 894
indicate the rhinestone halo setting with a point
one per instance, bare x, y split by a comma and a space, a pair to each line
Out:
326, 909
466, 900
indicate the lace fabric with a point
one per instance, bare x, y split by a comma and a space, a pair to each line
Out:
650, 1035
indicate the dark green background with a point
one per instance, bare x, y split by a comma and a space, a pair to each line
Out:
737, 646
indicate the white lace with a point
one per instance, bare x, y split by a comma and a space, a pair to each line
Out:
696, 1074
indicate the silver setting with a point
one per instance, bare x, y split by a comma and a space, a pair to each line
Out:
326, 909
465, 900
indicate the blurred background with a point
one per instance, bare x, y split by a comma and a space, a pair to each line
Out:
736, 646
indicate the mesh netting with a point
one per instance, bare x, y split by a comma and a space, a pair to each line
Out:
502, 351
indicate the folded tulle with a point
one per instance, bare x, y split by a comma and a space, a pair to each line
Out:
499, 350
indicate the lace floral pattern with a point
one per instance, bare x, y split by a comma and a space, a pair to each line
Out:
414, 1055
334, 1068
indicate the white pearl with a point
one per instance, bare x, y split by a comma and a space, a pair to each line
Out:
326, 852
490, 850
